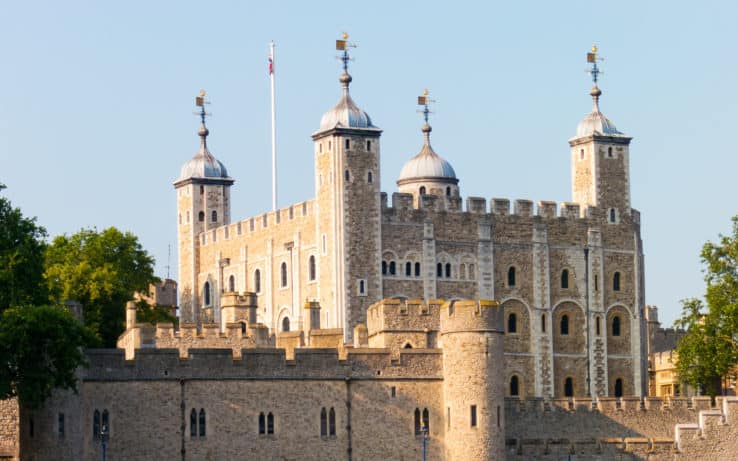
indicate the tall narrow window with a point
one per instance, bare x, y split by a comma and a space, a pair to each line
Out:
262, 424
257, 281
392, 268
96, 425
511, 277
597, 325
106, 421
612, 215
368, 145
448, 270
283, 274
270, 423
417, 269
543, 323
448, 191
347, 175
416, 421
201, 216
616, 326
193, 423
206, 293
569, 388
408, 269
616, 281
473, 416
609, 152
214, 216
426, 420
311, 268
384, 267
564, 324
60, 425
618, 387
286, 324
369, 177
362, 287
422, 190
439, 270
202, 422
231, 283
512, 323
597, 283
332, 422
323, 422
514, 391
565, 279
30, 428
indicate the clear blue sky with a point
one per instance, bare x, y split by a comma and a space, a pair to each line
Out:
96, 113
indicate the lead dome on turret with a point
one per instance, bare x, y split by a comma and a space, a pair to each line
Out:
345, 114
427, 164
595, 123
203, 164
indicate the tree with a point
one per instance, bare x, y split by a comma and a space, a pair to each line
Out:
41, 347
709, 350
101, 270
21, 257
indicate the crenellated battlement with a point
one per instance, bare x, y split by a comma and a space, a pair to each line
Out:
266, 222
523, 208
471, 316
403, 314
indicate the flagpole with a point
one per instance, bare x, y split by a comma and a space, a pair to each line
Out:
274, 128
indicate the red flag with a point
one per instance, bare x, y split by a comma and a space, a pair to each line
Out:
271, 65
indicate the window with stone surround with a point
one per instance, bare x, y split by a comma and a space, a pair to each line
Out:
348, 144
597, 326
311, 268
564, 330
569, 387
257, 281
439, 270
60, 425
262, 424
616, 281
332, 422
473, 416
201, 423
232, 283
96, 425
369, 177
471, 272
565, 279
283, 275
106, 422
462, 271
361, 287
214, 216
201, 216
286, 324
416, 421
270, 423
384, 267
422, 190
543, 323
426, 420
512, 323
347, 176
206, 293
392, 268
618, 387
193, 423
514, 386
511, 276
408, 269
448, 270
616, 326
417, 269
323, 422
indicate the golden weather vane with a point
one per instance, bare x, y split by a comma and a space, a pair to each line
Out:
343, 45
200, 102
425, 101
592, 58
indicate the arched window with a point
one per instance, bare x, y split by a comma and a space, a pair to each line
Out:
512, 323
565, 325
213, 216
618, 387
612, 215
439, 270
616, 326
206, 293
417, 421
407, 346
257, 281
96, 425
565, 278
392, 268
448, 270
347, 175
616, 281
384, 267
311, 268
262, 424
286, 324
448, 191
417, 269
202, 422
332, 422
543, 323
362, 287
193, 423
369, 177
323, 422
514, 391
597, 325
231, 283
422, 190
511, 276
270, 423
283, 274
408, 269
426, 420
569, 388
201, 216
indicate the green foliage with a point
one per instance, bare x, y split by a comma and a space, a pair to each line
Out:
41, 347
101, 270
710, 348
21, 258
153, 314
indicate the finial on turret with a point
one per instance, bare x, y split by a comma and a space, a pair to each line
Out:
425, 101
200, 102
594, 71
343, 45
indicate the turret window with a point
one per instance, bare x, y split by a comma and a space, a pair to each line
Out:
565, 279
609, 152
473, 416
384, 267
283, 275
347, 176
369, 177
206, 293
612, 215
581, 154
616, 326
392, 268
417, 269
511, 276
514, 387
214, 216
564, 330
597, 326
368, 145
311, 268
422, 190
439, 270
512, 323
201, 216
448, 270
543, 323
616, 281
448, 191
618, 387
286, 324
408, 269
569, 387
348, 144
257, 281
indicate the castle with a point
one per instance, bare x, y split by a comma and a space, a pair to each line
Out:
348, 327
569, 277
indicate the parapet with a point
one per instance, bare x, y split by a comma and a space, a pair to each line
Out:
524, 208
403, 314
547, 209
501, 206
477, 205
483, 315
570, 210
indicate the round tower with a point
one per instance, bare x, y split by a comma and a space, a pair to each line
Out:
473, 387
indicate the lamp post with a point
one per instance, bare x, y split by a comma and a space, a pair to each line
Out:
424, 432
104, 440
